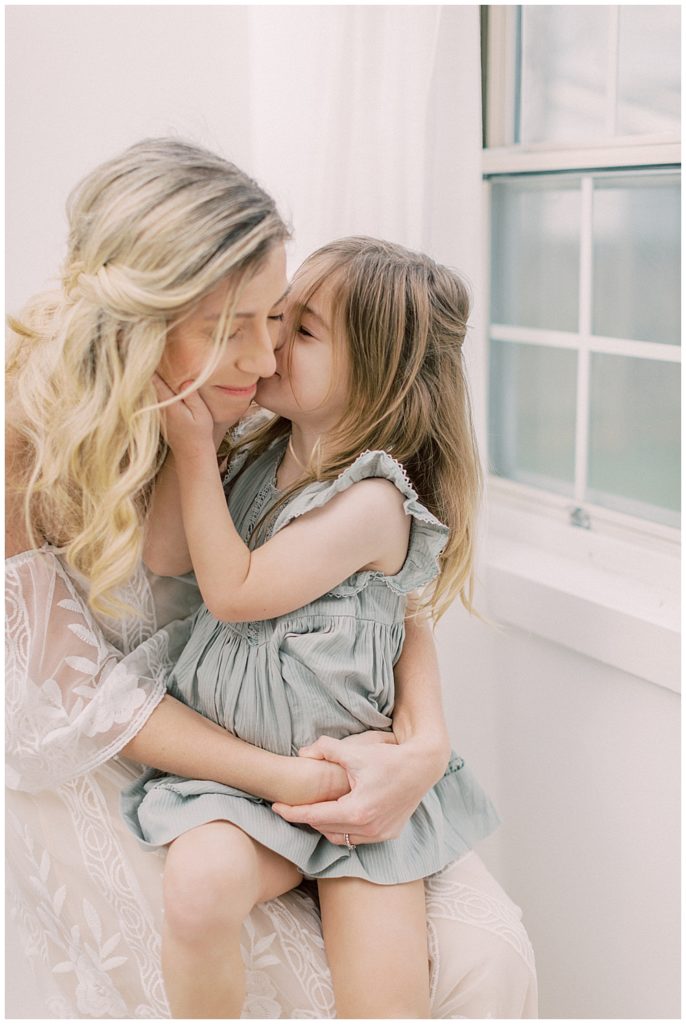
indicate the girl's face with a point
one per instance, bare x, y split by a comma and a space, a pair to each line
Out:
246, 355
310, 385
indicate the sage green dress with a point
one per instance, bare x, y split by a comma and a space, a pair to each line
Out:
324, 669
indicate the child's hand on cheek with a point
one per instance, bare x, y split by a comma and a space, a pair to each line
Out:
187, 424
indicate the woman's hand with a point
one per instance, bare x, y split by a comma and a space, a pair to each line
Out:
187, 424
387, 781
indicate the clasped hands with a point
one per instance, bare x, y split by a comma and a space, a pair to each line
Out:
386, 782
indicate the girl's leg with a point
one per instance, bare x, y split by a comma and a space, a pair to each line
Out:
214, 875
375, 937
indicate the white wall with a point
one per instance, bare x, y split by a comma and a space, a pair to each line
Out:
581, 759
85, 82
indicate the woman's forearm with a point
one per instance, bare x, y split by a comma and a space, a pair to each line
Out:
178, 740
418, 717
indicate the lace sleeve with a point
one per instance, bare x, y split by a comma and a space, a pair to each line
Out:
73, 698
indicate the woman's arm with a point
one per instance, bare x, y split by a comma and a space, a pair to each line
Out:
73, 700
418, 718
388, 776
165, 549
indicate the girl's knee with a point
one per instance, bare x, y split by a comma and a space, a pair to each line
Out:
209, 887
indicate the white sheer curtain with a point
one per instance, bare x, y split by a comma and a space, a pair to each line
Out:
368, 120
344, 102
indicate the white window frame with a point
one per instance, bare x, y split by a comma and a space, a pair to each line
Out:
612, 591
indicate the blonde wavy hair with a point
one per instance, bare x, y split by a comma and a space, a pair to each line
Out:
150, 233
402, 318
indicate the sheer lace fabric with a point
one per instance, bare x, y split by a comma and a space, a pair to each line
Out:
85, 901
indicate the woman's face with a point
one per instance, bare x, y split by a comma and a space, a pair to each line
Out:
310, 385
246, 355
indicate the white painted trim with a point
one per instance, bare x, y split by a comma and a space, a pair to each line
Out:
611, 593
655, 150
655, 350
608, 617
501, 72
523, 500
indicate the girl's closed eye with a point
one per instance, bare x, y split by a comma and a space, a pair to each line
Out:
275, 316
304, 331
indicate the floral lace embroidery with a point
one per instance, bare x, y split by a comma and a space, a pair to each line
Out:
87, 953
105, 863
459, 902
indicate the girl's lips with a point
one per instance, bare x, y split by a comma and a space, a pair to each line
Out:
239, 392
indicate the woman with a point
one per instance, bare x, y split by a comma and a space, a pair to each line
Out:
154, 235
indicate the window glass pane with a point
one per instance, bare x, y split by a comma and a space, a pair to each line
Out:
648, 73
633, 464
535, 253
564, 73
532, 414
636, 258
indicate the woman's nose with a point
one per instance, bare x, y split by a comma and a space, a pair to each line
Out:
258, 355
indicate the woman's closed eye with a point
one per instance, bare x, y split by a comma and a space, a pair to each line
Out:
304, 331
275, 316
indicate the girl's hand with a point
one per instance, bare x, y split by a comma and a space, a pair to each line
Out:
387, 781
187, 425
309, 781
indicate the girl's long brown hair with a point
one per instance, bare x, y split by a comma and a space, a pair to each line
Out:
403, 319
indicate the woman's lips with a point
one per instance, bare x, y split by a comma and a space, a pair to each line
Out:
238, 392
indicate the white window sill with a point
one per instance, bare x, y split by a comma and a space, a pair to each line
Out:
597, 594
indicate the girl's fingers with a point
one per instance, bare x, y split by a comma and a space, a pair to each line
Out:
193, 400
328, 749
161, 388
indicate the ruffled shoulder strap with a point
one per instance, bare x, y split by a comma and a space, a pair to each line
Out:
428, 535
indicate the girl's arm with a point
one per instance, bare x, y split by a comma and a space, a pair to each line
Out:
364, 524
180, 741
388, 776
165, 549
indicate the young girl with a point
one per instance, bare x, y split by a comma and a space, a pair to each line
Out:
361, 491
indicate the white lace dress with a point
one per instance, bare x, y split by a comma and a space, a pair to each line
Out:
84, 899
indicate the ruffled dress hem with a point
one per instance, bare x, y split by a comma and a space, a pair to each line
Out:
430, 841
